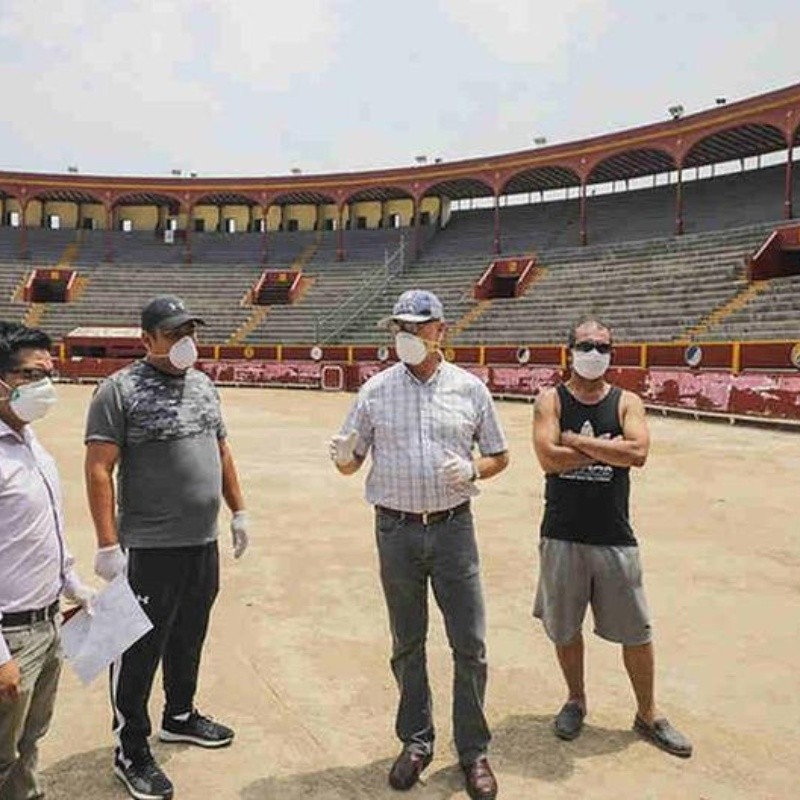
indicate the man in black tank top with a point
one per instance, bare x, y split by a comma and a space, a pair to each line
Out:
587, 435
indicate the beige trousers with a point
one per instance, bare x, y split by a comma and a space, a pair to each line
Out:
24, 721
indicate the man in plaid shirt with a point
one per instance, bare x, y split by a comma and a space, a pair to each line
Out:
420, 419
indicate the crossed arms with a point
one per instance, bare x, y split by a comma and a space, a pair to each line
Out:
561, 452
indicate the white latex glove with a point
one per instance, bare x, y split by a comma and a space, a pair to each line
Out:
239, 533
109, 562
78, 592
343, 448
457, 471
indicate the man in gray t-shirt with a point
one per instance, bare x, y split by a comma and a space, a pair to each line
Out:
157, 422
168, 430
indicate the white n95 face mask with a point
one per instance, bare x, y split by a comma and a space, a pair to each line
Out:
411, 349
183, 353
591, 365
32, 401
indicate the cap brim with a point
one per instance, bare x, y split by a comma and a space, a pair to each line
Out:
176, 320
384, 323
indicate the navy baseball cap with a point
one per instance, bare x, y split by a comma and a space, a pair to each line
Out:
167, 312
415, 305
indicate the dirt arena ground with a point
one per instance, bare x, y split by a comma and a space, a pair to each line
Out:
297, 658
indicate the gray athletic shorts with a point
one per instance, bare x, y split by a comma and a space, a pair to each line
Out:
609, 577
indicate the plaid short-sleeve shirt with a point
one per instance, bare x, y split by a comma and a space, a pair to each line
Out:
410, 428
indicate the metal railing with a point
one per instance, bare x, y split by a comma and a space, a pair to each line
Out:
328, 326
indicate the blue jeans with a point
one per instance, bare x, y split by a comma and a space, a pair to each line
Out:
445, 553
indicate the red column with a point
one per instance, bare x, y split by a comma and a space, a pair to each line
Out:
679, 203
415, 223
496, 241
584, 237
23, 231
340, 233
107, 235
188, 250
787, 196
264, 243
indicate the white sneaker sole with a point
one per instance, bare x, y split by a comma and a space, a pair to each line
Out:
168, 736
135, 792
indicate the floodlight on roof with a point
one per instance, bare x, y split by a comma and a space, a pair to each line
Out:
72, 168
176, 172
720, 101
676, 111
421, 159
296, 171
539, 140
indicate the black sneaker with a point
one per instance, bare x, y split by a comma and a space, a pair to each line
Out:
143, 778
197, 729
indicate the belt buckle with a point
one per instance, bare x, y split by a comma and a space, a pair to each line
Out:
425, 516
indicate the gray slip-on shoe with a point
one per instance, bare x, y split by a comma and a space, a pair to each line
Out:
567, 725
663, 735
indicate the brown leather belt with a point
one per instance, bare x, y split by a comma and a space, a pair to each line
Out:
425, 517
16, 619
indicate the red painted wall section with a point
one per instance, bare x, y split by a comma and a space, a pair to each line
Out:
754, 394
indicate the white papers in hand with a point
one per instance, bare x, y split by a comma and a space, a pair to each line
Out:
91, 643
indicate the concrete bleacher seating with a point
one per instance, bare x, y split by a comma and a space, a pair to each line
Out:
773, 314
11, 277
649, 291
114, 295
648, 283
729, 201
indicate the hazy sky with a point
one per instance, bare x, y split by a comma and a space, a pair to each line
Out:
233, 87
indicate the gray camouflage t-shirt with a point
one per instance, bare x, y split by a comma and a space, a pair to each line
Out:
168, 428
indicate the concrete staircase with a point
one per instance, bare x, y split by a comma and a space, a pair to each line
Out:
467, 319
723, 311
250, 324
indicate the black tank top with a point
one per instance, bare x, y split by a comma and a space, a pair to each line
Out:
589, 504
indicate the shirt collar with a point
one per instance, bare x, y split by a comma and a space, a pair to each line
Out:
433, 378
7, 430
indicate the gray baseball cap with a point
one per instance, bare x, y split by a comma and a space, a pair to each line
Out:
415, 305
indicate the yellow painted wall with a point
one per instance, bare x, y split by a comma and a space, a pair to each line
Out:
239, 213
430, 204
33, 216
95, 211
405, 208
305, 216
273, 218
208, 214
144, 218
328, 211
371, 210
68, 213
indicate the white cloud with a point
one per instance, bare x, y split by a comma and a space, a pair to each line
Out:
266, 44
112, 86
527, 32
